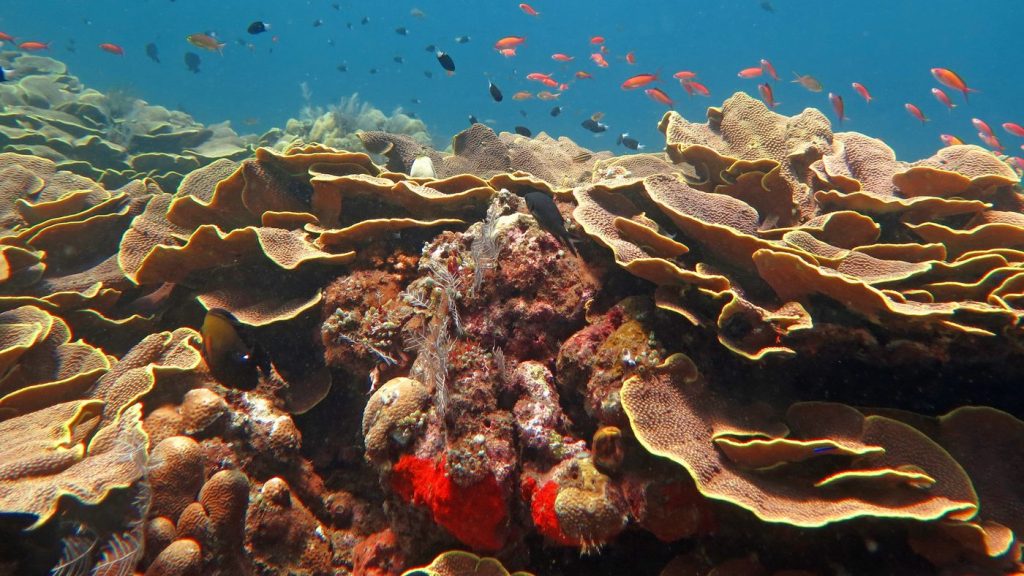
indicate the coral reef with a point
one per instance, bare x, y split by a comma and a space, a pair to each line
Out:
772, 349
338, 125
112, 138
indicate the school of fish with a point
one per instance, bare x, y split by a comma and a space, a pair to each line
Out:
589, 59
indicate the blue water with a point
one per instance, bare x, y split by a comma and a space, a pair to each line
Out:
888, 46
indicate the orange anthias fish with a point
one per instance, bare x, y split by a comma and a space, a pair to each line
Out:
34, 46
545, 95
943, 98
597, 39
659, 96
753, 72
807, 81
1015, 129
529, 10
767, 67
685, 75
837, 105
952, 80
950, 140
507, 52
522, 95
206, 42
559, 57
916, 112
599, 60
767, 95
538, 76
583, 75
862, 91
112, 48
5, 37
630, 58
639, 81
509, 42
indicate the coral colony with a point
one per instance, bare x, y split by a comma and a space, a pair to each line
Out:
227, 356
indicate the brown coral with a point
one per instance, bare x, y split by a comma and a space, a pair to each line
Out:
675, 414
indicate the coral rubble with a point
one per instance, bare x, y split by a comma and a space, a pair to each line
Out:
753, 353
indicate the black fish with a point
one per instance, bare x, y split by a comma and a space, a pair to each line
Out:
544, 210
3, 74
402, 31
594, 126
348, 25
258, 27
629, 142
462, 39
495, 92
335, 5
472, 119
523, 131
192, 62
428, 73
416, 101
373, 70
767, 7
343, 67
151, 51
446, 61
365, 20
318, 23
556, 111
399, 60
231, 352
430, 48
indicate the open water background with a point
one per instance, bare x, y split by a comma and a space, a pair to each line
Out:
888, 46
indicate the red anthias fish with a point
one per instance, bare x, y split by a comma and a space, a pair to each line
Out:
529, 10
769, 69
837, 105
767, 95
112, 48
34, 46
862, 91
943, 98
752, 72
915, 112
982, 126
1015, 129
659, 96
509, 42
693, 87
639, 81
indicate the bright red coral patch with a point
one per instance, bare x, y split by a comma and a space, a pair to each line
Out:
542, 509
476, 515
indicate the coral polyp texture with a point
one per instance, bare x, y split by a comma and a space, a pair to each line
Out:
768, 349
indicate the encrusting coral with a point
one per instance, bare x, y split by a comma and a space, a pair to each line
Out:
428, 367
